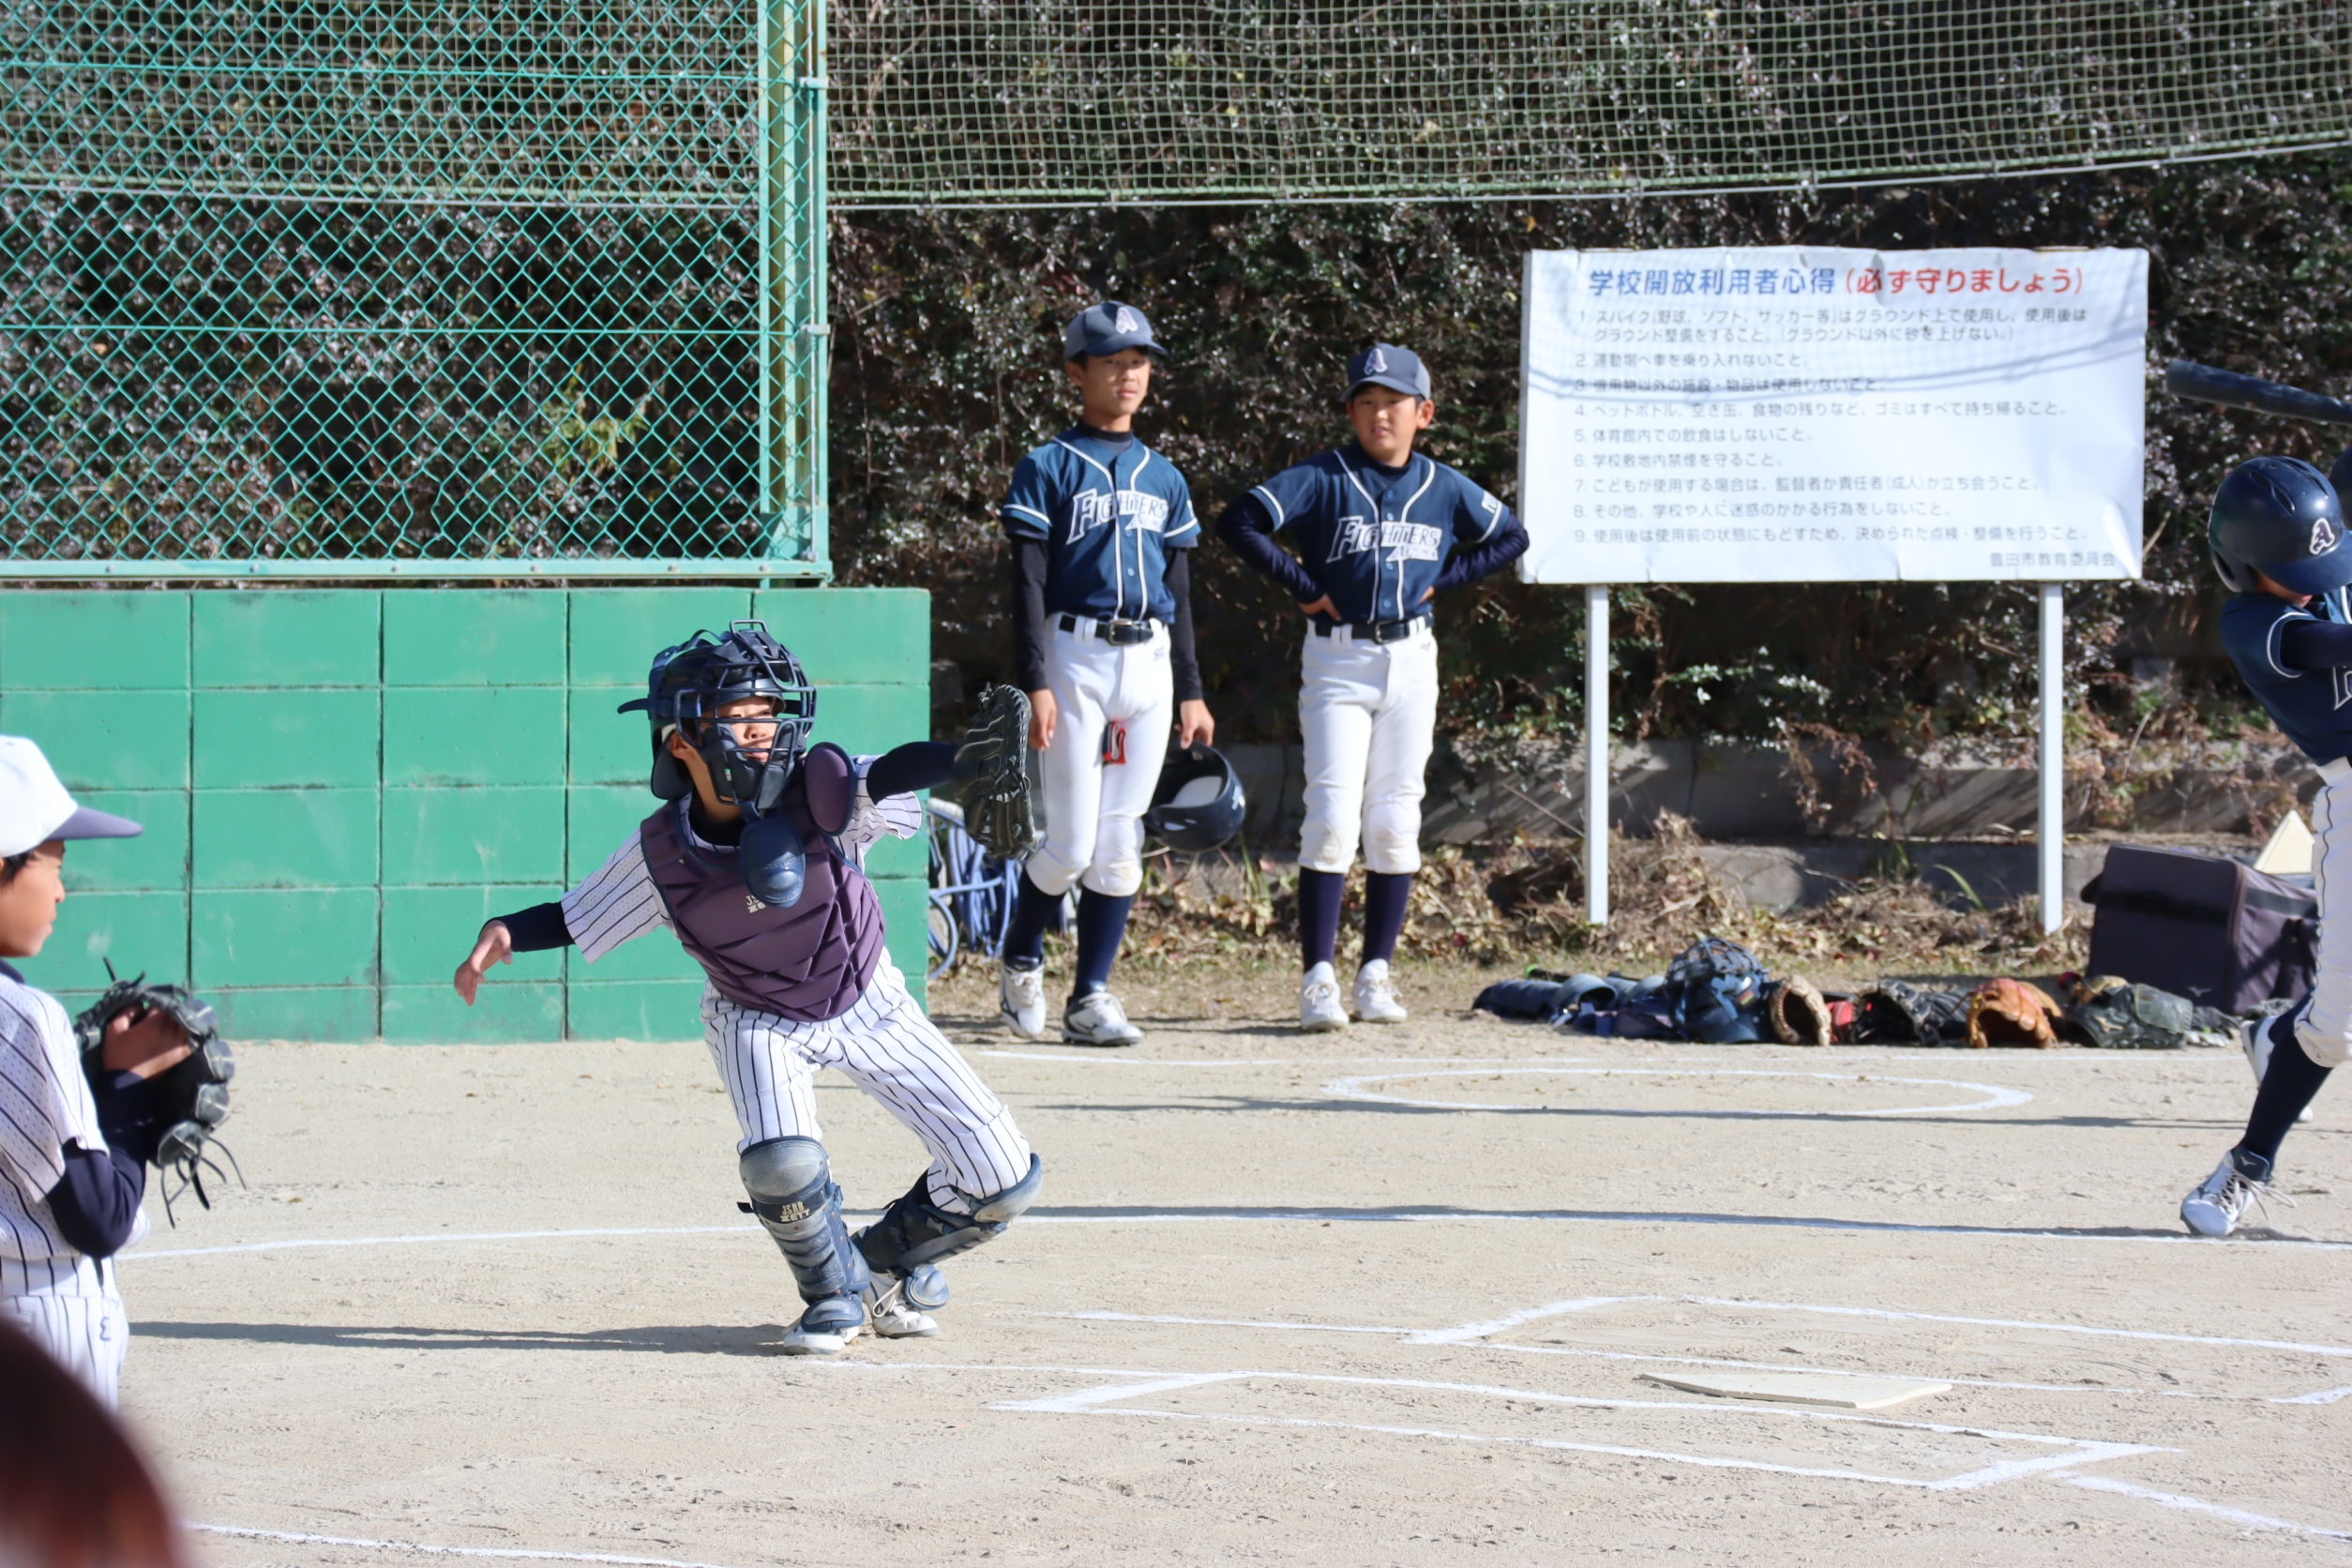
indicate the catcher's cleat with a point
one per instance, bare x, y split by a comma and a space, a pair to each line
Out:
827, 1327
894, 1317
1020, 999
1376, 995
1320, 1012
2221, 1200
2255, 1039
1097, 1018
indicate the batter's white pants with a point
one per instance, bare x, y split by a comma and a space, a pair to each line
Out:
1098, 787
1367, 712
886, 1046
81, 1324
2325, 1030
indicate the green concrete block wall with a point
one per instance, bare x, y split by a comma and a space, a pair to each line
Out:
339, 786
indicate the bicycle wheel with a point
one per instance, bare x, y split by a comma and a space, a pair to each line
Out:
944, 936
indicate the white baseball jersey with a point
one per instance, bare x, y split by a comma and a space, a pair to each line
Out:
884, 1043
67, 1301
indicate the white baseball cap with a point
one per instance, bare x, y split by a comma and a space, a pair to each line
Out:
35, 808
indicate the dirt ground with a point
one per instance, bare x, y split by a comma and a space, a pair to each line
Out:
1392, 1297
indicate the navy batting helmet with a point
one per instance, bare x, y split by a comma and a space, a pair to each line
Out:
2278, 517
690, 682
1199, 804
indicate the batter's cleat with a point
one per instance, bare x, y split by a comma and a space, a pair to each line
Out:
827, 1327
1320, 1012
2254, 1038
1097, 1018
2221, 1200
894, 1317
1020, 996
1376, 997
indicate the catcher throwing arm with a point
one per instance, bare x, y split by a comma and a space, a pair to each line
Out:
167, 1107
2206, 383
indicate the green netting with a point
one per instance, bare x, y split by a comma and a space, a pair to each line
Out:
1066, 101
472, 287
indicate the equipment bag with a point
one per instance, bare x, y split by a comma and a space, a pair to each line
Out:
2201, 925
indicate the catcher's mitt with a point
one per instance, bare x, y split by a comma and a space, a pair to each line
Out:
1000, 803
1798, 1013
190, 1099
2007, 1012
1894, 1013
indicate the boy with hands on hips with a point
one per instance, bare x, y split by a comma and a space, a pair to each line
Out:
1101, 528
1381, 530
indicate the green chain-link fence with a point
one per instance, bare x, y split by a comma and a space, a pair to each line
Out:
385, 287
1081, 101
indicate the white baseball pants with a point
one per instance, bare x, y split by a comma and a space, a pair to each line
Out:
2325, 1030
1367, 712
82, 1326
1097, 786
886, 1046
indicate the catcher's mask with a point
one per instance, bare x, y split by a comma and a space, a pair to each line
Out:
690, 682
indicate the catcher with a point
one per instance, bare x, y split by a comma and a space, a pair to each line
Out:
81, 1119
754, 860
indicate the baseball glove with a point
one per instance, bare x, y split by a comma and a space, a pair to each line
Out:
189, 1101
1000, 805
2007, 1012
1798, 1013
1893, 1013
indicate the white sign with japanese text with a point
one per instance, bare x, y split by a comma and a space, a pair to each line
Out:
1788, 414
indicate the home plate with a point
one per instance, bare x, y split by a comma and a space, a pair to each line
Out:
1804, 1388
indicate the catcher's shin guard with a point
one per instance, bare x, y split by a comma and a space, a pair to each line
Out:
914, 1233
794, 1199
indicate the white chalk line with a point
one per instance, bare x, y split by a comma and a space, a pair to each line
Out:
2019, 1324
2325, 1396
1996, 1098
2198, 1505
303, 1537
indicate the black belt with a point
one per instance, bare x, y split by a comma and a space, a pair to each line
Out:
1119, 634
1375, 631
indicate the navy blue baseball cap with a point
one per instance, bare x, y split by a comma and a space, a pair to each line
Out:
1386, 365
1106, 328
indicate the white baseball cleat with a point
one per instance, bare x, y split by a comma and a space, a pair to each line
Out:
1376, 996
1097, 1018
891, 1314
826, 1328
1020, 996
1320, 1012
2254, 1038
2241, 1181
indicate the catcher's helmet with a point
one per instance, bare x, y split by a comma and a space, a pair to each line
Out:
690, 681
2278, 517
1199, 804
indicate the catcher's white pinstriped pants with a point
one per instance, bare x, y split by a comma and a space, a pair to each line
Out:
887, 1047
82, 1325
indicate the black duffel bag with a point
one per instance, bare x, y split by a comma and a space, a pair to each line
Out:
2201, 925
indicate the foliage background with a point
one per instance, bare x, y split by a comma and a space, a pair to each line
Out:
947, 329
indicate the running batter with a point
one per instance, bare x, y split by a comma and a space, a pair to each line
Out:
755, 860
1101, 528
73, 1153
2277, 537
1380, 532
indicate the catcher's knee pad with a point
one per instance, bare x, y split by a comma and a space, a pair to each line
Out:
1392, 836
792, 1195
915, 1232
1118, 869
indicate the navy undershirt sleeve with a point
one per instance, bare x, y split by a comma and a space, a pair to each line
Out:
1489, 556
2315, 645
916, 766
1183, 657
537, 928
1243, 527
95, 1202
1029, 614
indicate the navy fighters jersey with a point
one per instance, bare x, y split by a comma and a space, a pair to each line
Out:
1108, 509
1375, 542
2313, 707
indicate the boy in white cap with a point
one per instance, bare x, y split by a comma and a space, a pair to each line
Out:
73, 1156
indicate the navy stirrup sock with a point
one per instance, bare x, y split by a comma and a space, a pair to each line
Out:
1101, 920
2287, 1086
1385, 897
1319, 915
1025, 933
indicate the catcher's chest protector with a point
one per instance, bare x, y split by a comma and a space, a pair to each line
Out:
809, 962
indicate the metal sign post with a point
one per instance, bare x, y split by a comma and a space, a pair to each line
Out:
1596, 753
2050, 830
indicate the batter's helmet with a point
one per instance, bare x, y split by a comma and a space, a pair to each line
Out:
690, 681
1199, 804
2278, 517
